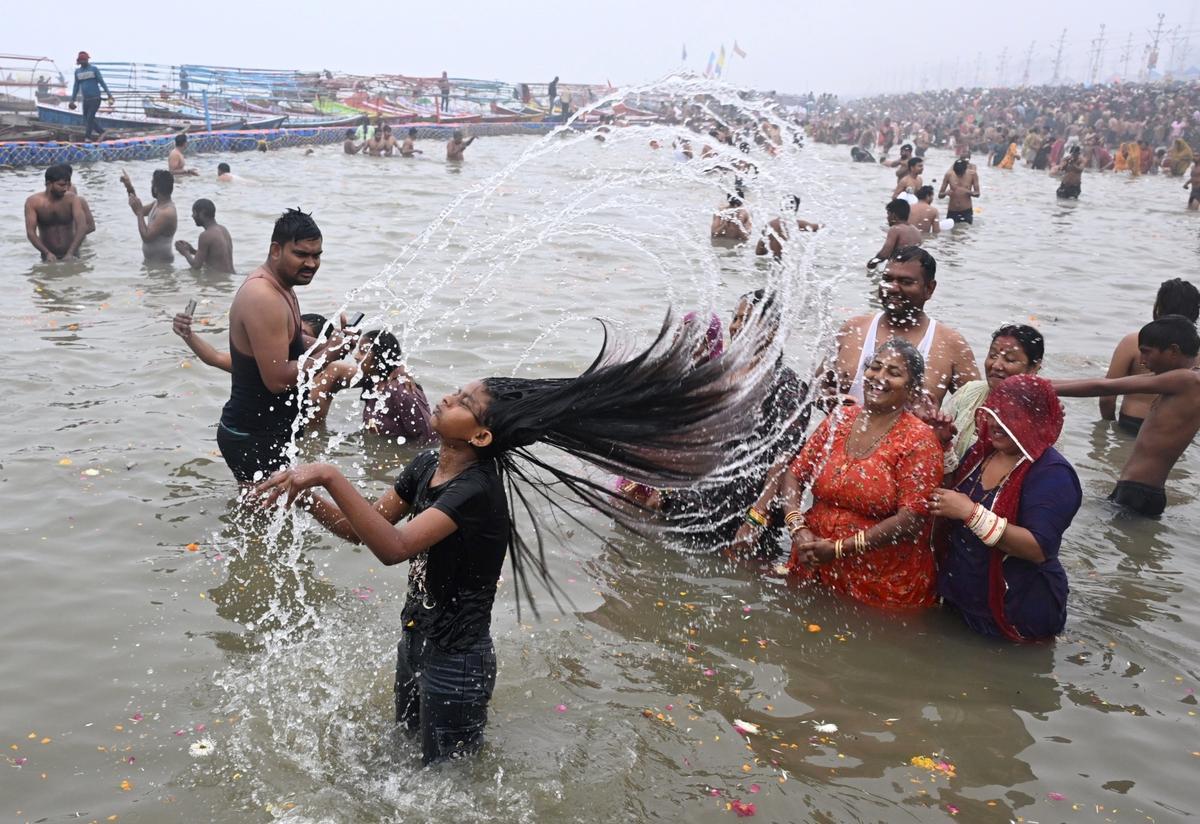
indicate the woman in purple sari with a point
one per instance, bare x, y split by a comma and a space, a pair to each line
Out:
1002, 521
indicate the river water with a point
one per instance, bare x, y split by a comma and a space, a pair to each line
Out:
137, 618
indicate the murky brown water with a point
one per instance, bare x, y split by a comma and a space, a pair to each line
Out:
120, 643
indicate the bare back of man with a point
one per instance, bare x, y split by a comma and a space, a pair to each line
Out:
949, 365
1127, 361
55, 226
924, 217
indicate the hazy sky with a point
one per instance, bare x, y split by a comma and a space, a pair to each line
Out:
790, 46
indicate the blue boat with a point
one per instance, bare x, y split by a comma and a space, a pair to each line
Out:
58, 116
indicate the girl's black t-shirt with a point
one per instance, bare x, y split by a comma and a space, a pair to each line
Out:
452, 585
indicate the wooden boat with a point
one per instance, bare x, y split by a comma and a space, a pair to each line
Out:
59, 116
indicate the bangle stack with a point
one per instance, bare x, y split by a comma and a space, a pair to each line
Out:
860, 541
987, 525
837, 550
795, 521
755, 518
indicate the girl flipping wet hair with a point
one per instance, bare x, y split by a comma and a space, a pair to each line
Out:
656, 418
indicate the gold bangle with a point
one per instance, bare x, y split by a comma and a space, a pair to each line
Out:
837, 549
860, 541
794, 517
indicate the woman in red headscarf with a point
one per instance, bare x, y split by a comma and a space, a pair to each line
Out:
1004, 516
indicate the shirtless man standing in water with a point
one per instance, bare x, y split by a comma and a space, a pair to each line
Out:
904, 289
56, 221
175, 162
1194, 184
214, 248
456, 144
158, 221
962, 184
1175, 297
900, 233
732, 222
1168, 346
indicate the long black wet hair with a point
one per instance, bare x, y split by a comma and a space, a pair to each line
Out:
656, 418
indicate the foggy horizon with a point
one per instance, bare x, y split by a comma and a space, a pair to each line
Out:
787, 49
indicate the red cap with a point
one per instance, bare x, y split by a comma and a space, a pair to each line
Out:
83, 56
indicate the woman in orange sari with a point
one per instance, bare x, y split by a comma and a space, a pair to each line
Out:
872, 470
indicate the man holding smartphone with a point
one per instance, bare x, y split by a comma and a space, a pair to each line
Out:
265, 346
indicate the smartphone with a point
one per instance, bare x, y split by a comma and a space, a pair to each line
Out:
355, 319
191, 307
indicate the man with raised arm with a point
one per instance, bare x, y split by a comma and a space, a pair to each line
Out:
1168, 346
158, 221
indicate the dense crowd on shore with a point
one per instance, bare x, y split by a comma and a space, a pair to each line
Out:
986, 121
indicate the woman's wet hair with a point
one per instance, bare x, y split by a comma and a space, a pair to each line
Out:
913, 360
656, 418
386, 352
1178, 297
1171, 330
1029, 339
294, 226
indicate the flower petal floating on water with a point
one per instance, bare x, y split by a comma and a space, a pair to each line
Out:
755, 788
193, 547
950, 808
126, 785
91, 472
710, 672
745, 727
826, 728
814, 627
201, 749
561, 708
65, 462
743, 809
1056, 796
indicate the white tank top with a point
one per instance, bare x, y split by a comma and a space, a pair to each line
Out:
868, 352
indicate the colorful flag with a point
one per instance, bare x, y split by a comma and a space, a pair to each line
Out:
712, 58
721, 61
738, 50
685, 52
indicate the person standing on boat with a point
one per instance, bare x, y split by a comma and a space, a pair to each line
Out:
444, 85
183, 82
89, 81
552, 94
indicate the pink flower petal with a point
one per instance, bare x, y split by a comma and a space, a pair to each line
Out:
670, 707
950, 808
714, 792
137, 716
561, 708
743, 809
181, 732
1056, 796
755, 788
710, 672
199, 728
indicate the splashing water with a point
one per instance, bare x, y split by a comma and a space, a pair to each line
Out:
311, 681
